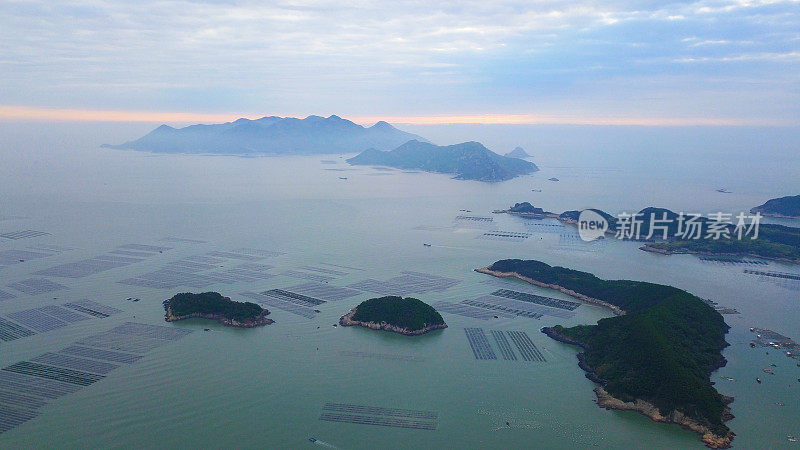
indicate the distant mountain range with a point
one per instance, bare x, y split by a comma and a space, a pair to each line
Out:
467, 161
272, 135
518, 152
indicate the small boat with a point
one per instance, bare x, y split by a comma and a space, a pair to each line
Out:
723, 191
312, 439
426, 244
342, 178
758, 380
552, 179
769, 371
536, 190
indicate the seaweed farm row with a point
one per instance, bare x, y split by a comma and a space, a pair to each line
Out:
26, 386
512, 236
482, 348
187, 271
29, 322
23, 234
379, 416
123, 255
731, 260
508, 303
406, 283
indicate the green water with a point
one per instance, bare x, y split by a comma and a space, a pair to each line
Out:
266, 387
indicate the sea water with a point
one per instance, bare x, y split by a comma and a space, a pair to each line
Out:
267, 387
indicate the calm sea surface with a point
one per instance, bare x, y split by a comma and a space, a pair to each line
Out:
268, 387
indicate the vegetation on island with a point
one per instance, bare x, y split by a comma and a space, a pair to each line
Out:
467, 161
774, 242
526, 208
407, 313
212, 304
777, 242
662, 350
788, 206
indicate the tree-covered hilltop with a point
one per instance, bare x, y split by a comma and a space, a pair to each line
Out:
405, 313
526, 208
211, 304
788, 206
662, 351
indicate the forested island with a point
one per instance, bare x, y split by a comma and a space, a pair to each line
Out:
212, 305
407, 316
774, 242
788, 206
466, 161
655, 357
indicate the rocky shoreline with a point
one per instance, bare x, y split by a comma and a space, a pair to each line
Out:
347, 321
614, 309
258, 321
608, 401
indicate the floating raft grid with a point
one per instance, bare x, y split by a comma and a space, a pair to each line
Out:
23, 234
463, 310
8, 257
306, 276
391, 356
29, 385
326, 292
323, 270
526, 347
500, 306
479, 343
512, 236
405, 284
372, 415
292, 297
505, 348
538, 299
36, 286
280, 303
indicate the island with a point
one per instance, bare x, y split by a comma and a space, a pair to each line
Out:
655, 356
466, 161
407, 316
271, 136
785, 207
212, 305
775, 242
518, 152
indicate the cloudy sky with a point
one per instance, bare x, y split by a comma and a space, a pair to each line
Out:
611, 61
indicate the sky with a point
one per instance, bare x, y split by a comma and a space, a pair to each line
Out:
614, 62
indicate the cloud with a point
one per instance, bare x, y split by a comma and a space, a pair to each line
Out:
401, 57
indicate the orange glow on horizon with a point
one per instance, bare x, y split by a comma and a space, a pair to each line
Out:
27, 113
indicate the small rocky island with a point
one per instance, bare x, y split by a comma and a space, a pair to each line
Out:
408, 316
212, 305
